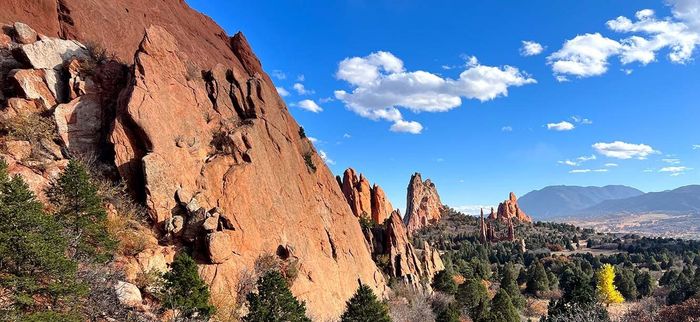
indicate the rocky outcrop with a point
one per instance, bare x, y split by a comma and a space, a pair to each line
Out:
198, 120
509, 209
392, 248
365, 201
423, 206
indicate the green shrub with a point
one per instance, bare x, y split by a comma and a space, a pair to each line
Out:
309, 161
274, 301
184, 290
364, 306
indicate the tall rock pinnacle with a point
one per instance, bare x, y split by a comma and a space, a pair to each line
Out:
423, 206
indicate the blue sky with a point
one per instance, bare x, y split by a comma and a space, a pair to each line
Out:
448, 89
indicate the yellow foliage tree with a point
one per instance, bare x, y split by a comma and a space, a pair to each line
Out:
607, 292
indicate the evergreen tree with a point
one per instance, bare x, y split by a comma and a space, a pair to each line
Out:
607, 293
80, 210
274, 302
32, 256
502, 309
448, 314
443, 282
510, 285
184, 290
645, 284
537, 278
364, 306
624, 281
473, 298
576, 287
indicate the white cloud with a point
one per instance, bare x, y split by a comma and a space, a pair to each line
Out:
648, 170
346, 136
578, 161
561, 126
310, 106
281, 91
569, 163
584, 55
407, 127
611, 165
301, 90
475, 210
381, 85
676, 170
313, 139
622, 150
531, 48
325, 157
587, 170
279, 74
587, 55
696, 146
581, 120
301, 78
507, 128
671, 161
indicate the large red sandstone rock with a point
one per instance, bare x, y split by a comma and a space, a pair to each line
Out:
229, 139
423, 205
365, 201
97, 20
509, 209
403, 260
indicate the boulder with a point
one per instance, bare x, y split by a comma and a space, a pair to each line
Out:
51, 53
219, 247
5, 41
80, 123
32, 84
128, 294
24, 34
423, 205
211, 223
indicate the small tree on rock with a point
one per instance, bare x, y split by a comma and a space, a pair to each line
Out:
274, 301
364, 306
184, 290
80, 210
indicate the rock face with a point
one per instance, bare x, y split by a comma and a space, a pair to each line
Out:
197, 132
365, 201
423, 206
392, 246
509, 210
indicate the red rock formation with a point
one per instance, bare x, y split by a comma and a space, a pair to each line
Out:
201, 131
509, 209
423, 206
363, 200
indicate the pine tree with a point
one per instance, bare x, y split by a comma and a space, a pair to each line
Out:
448, 314
274, 302
82, 214
32, 255
537, 278
576, 286
645, 284
624, 281
184, 290
474, 299
502, 309
443, 282
510, 285
364, 306
607, 293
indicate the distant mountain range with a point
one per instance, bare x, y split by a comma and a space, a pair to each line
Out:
574, 201
560, 201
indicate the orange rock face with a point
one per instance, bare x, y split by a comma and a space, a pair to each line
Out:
423, 206
365, 201
200, 120
229, 140
509, 209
